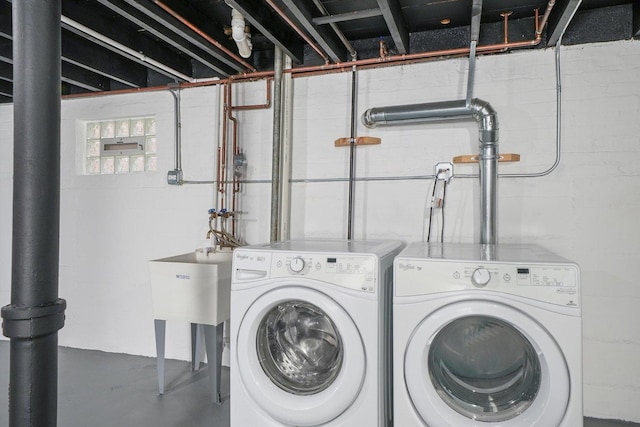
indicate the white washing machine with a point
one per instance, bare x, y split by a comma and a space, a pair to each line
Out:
310, 330
486, 336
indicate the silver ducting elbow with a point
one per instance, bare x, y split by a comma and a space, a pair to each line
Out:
240, 36
487, 119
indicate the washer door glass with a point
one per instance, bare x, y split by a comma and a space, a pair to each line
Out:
299, 354
484, 368
299, 348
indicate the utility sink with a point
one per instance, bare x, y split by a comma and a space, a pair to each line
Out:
195, 286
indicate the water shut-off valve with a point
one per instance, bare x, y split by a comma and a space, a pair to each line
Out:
223, 213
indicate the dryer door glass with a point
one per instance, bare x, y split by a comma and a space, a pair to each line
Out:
299, 347
484, 368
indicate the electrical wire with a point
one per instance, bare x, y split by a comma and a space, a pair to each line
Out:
433, 195
444, 195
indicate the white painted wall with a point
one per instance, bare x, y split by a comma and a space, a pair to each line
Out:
586, 210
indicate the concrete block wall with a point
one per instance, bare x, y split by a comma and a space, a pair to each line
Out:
586, 210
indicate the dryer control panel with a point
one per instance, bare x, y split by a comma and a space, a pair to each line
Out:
353, 271
553, 283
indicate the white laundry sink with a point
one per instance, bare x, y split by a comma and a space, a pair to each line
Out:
195, 287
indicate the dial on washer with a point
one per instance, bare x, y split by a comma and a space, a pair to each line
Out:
296, 264
480, 277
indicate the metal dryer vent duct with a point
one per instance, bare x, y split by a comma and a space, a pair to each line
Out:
487, 120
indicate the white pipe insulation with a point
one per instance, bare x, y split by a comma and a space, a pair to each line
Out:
240, 36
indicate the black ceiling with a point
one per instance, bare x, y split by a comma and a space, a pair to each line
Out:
118, 44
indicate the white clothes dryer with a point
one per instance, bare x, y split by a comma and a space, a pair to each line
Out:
486, 335
310, 331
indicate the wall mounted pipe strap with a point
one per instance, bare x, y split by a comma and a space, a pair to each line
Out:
32, 322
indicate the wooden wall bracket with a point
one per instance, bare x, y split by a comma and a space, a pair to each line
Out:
473, 158
361, 140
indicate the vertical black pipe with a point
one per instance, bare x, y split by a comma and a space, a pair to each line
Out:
35, 314
352, 155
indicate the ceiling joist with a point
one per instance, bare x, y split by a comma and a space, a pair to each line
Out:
117, 44
395, 22
558, 21
325, 37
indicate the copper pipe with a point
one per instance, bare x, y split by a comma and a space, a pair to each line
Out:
296, 29
203, 35
347, 66
337, 67
223, 149
257, 106
506, 15
235, 151
540, 28
319, 69
383, 49
234, 144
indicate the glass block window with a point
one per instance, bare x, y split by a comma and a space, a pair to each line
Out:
120, 146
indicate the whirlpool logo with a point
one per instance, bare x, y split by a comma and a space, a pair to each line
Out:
183, 276
406, 267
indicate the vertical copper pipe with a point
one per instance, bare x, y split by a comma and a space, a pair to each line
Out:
234, 151
222, 149
540, 28
506, 15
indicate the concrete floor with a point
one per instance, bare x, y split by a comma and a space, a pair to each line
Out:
100, 389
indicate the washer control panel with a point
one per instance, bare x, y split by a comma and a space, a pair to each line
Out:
358, 272
554, 283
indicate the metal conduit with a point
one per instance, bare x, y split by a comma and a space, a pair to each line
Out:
487, 120
277, 144
35, 314
174, 89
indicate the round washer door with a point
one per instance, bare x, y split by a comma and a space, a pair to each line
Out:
484, 363
300, 356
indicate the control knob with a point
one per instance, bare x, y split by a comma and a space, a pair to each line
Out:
297, 264
480, 277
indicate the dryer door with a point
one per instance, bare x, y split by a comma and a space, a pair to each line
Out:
300, 356
485, 363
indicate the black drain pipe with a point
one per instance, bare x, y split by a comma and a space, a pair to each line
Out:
35, 314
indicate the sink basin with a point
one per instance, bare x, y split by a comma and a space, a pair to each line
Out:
195, 287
